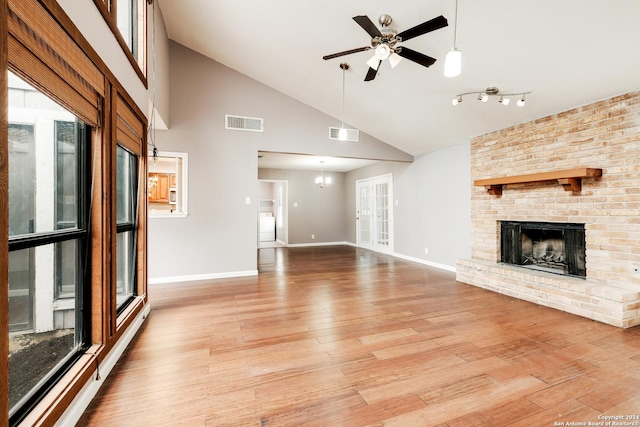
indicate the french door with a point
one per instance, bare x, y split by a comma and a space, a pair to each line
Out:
374, 213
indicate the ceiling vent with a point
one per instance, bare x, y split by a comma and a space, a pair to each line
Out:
249, 124
353, 135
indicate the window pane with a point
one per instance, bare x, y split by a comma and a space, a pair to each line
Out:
126, 186
127, 21
126, 216
43, 162
48, 180
48, 333
125, 259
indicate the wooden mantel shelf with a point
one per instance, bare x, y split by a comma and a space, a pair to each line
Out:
571, 179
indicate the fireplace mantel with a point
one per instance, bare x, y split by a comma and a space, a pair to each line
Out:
570, 179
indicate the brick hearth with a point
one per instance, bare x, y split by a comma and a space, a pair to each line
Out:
606, 135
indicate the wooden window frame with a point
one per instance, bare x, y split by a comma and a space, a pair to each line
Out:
86, 85
108, 10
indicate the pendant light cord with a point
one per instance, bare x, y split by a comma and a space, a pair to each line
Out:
455, 27
343, 97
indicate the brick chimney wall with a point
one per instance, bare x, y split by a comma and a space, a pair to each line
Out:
605, 135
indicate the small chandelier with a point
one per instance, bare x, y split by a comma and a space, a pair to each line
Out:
322, 181
483, 96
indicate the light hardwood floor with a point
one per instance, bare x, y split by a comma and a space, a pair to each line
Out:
339, 336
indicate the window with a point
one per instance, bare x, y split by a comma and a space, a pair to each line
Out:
127, 20
126, 218
48, 242
168, 185
58, 189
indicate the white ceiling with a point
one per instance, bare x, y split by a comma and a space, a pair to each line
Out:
567, 53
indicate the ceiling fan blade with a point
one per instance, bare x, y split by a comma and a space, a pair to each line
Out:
371, 74
367, 25
346, 52
414, 56
426, 27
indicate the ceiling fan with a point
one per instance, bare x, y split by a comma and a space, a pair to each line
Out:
385, 42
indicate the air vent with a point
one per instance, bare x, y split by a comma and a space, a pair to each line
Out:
353, 135
249, 124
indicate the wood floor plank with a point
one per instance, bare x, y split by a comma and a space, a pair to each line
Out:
341, 336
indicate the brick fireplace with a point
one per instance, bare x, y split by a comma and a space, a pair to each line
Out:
603, 135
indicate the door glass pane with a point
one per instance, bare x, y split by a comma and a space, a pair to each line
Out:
382, 214
365, 213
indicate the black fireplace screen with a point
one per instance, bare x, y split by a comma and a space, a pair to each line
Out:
546, 246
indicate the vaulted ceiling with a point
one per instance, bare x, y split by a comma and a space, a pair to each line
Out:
567, 53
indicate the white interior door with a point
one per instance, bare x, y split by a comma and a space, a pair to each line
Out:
374, 213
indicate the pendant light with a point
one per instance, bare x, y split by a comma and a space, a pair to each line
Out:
342, 133
453, 60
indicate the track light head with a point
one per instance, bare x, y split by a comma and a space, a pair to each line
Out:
521, 102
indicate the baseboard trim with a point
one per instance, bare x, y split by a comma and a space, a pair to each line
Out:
302, 245
425, 262
74, 411
196, 277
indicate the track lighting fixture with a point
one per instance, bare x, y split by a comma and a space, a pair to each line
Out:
483, 96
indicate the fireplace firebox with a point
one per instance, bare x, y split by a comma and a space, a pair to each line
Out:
545, 246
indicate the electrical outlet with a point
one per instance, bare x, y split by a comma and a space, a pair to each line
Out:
313, 236
426, 251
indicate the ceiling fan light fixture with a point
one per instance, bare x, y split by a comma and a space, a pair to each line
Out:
382, 51
373, 62
394, 59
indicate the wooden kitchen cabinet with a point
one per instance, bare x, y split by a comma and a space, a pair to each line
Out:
159, 187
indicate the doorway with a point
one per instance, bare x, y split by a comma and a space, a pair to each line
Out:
273, 229
374, 213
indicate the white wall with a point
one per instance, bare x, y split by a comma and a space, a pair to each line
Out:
313, 210
433, 204
220, 235
89, 21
